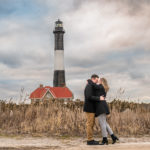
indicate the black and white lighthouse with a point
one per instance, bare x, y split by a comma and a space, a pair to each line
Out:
59, 70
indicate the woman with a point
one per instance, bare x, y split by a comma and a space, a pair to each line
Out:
102, 110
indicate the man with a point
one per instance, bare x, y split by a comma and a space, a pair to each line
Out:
89, 109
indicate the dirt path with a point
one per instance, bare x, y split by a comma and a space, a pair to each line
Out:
44, 143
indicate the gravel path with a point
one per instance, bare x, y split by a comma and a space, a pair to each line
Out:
45, 143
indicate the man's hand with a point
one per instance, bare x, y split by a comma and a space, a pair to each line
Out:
102, 98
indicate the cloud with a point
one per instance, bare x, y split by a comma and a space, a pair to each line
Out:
110, 38
10, 60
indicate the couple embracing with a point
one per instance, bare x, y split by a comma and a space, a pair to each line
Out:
95, 105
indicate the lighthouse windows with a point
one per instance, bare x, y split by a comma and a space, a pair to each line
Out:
59, 25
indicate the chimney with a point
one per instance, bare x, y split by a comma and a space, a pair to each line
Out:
41, 86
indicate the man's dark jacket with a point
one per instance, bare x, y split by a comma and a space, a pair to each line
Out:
90, 99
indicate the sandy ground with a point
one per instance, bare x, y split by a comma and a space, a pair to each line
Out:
45, 143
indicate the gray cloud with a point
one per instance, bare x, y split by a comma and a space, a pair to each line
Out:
110, 38
10, 60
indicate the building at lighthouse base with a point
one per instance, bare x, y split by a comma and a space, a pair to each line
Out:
46, 93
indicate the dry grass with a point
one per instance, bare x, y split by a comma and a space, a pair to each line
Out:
57, 117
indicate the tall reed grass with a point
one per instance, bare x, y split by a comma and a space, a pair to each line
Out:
59, 117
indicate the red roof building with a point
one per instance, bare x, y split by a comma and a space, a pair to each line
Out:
47, 92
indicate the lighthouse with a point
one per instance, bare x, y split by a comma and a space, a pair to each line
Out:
59, 70
59, 89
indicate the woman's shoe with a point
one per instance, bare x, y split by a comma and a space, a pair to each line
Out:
114, 138
104, 141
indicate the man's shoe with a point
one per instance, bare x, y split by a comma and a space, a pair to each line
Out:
92, 142
104, 141
114, 138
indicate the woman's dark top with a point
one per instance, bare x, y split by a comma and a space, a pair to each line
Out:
101, 106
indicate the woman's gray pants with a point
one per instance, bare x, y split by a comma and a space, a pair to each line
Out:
105, 128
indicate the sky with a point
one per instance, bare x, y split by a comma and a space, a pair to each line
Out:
110, 38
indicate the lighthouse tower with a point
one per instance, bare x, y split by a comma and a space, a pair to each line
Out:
59, 71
